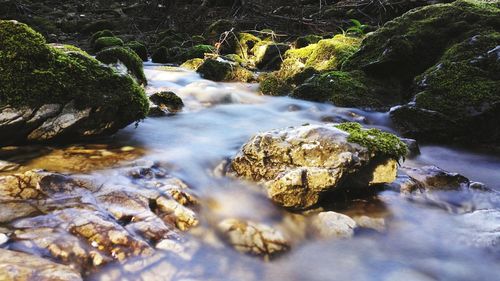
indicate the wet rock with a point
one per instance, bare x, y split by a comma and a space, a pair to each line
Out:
253, 238
87, 224
431, 178
216, 70
74, 158
60, 92
299, 165
168, 101
24, 267
333, 225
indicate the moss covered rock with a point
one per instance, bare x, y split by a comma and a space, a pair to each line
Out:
127, 57
444, 58
269, 55
272, 85
139, 48
102, 43
408, 45
325, 55
461, 92
167, 100
192, 64
51, 93
99, 34
348, 89
216, 70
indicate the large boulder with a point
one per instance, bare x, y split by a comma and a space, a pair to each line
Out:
54, 93
299, 166
445, 58
461, 92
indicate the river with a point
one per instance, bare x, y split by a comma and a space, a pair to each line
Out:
419, 241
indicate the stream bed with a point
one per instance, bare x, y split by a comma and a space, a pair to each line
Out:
416, 241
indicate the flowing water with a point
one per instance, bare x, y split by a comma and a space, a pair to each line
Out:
420, 241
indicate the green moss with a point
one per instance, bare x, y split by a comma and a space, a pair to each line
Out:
126, 56
269, 55
166, 55
245, 44
192, 64
330, 54
215, 70
465, 81
139, 48
347, 89
99, 34
408, 45
307, 40
106, 42
375, 140
222, 71
327, 54
235, 58
33, 73
197, 51
167, 100
274, 86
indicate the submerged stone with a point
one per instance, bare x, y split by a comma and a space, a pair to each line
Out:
86, 224
253, 238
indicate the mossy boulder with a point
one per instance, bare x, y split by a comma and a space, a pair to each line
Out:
167, 100
408, 45
269, 55
272, 85
347, 89
102, 43
127, 57
216, 70
443, 58
461, 92
326, 55
192, 64
53, 93
99, 34
139, 48
197, 51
